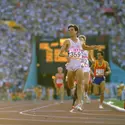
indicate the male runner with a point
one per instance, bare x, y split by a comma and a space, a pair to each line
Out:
73, 46
101, 69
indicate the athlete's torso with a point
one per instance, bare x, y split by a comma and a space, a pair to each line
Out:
99, 70
74, 50
59, 78
84, 59
74, 53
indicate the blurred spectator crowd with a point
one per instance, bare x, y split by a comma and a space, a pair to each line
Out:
50, 18
14, 92
116, 91
15, 56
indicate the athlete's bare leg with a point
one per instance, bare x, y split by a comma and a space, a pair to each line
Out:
102, 88
86, 86
62, 93
71, 77
79, 78
86, 81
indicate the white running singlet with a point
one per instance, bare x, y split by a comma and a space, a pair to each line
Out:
74, 52
85, 61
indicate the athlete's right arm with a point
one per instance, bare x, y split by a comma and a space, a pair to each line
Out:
64, 48
55, 80
108, 69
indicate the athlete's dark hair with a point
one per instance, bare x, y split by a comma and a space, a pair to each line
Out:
101, 52
74, 26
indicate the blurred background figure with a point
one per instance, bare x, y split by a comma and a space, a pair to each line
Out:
59, 83
120, 89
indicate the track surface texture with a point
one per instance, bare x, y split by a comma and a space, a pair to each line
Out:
55, 113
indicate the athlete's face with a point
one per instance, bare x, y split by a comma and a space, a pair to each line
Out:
60, 70
72, 31
99, 56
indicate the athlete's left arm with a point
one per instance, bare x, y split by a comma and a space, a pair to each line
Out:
92, 47
91, 73
63, 76
91, 58
92, 68
54, 81
108, 69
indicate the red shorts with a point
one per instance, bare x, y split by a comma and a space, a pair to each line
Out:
59, 85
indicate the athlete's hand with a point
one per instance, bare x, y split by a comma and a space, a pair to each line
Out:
106, 73
98, 47
68, 59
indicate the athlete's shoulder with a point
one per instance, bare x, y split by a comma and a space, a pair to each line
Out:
95, 61
106, 62
67, 41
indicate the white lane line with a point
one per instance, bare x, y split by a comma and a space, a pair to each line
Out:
51, 111
33, 109
60, 121
73, 117
25, 112
88, 114
97, 114
11, 124
17, 105
115, 107
97, 110
7, 111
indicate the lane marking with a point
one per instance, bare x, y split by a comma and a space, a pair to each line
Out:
85, 110
25, 112
51, 111
72, 117
99, 114
115, 107
7, 111
60, 121
33, 109
15, 106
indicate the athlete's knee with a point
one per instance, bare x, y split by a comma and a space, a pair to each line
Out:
79, 85
79, 81
96, 92
102, 93
70, 84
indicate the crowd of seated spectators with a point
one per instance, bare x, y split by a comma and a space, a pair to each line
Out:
51, 18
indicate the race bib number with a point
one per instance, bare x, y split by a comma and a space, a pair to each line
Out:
99, 72
84, 62
74, 53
